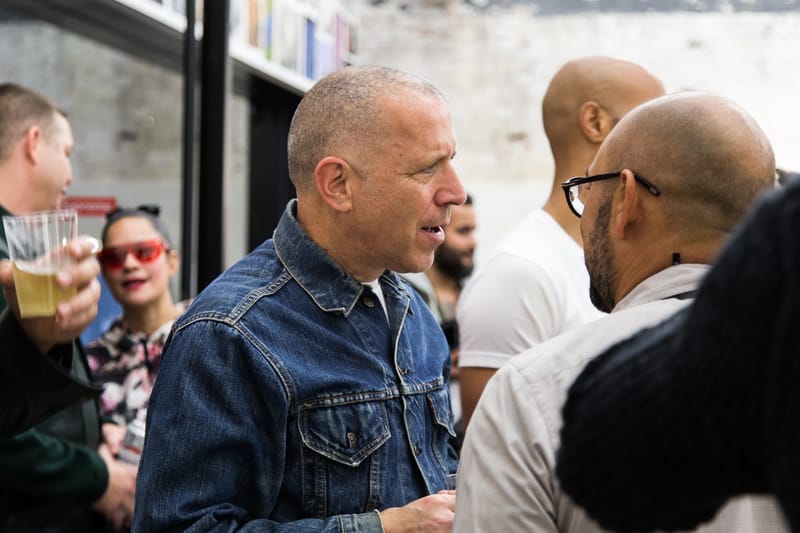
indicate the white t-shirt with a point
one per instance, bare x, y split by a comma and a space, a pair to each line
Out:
375, 285
534, 287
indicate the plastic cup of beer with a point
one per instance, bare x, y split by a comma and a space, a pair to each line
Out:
37, 246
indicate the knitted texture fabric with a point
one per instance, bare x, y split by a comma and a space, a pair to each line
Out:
661, 430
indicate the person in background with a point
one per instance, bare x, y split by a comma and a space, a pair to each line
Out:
138, 261
440, 286
108, 309
710, 395
306, 389
35, 378
667, 187
58, 476
535, 285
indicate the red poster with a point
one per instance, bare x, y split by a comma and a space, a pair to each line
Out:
90, 206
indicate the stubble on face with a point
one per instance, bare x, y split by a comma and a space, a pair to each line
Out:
599, 260
452, 263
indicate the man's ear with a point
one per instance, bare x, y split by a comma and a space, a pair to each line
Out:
627, 203
595, 122
30, 143
332, 179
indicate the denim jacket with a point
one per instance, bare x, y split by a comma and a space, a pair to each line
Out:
287, 402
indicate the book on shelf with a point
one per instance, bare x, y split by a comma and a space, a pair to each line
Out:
309, 37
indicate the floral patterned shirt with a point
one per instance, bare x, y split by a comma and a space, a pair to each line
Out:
126, 363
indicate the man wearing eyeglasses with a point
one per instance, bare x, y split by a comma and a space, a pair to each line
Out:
56, 477
733, 351
665, 190
534, 286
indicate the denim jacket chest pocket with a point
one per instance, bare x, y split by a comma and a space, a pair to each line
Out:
442, 432
343, 444
439, 403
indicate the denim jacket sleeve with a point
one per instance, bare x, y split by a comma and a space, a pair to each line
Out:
218, 465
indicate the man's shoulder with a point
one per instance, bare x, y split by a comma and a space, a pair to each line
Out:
536, 381
536, 244
560, 359
259, 272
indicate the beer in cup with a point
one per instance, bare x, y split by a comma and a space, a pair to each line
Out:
37, 246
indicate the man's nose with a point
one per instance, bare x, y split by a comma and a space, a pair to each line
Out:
452, 191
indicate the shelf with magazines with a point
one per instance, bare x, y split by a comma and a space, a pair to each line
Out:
289, 43
302, 38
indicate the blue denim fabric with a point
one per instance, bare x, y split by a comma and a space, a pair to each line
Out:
287, 402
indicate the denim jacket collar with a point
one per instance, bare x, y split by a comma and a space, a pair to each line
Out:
321, 277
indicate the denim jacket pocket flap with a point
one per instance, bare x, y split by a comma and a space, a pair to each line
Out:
347, 434
439, 403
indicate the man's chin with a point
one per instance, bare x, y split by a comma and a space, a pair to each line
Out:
599, 302
418, 264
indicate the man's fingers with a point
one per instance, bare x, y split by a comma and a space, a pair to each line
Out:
450, 499
7, 285
81, 309
6, 271
83, 246
86, 269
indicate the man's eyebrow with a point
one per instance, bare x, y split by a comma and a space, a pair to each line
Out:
435, 162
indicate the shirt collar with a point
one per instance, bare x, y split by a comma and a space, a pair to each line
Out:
668, 283
323, 279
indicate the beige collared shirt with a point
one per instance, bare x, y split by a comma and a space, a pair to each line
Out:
506, 479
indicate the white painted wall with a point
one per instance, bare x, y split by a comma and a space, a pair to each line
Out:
494, 67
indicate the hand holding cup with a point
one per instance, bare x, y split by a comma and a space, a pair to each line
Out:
77, 278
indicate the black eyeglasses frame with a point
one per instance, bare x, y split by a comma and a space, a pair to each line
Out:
580, 180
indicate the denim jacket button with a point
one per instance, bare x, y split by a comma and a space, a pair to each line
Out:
417, 449
369, 301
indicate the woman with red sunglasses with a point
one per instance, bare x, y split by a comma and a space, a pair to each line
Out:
137, 262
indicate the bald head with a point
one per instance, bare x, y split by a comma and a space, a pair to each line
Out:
342, 115
707, 155
614, 84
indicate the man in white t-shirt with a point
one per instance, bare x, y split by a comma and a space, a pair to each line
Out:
535, 284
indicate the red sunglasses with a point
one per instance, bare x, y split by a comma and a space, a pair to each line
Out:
144, 252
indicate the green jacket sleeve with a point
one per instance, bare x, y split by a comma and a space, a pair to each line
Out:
35, 466
34, 385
